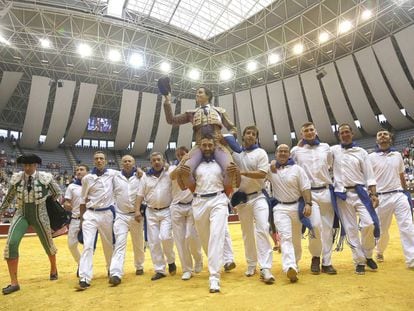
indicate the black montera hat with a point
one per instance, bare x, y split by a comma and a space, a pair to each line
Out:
29, 158
164, 85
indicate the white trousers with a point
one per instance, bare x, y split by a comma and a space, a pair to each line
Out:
322, 219
125, 223
396, 204
287, 222
210, 215
160, 239
73, 242
101, 221
254, 221
351, 210
185, 235
228, 253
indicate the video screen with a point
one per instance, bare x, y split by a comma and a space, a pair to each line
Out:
96, 124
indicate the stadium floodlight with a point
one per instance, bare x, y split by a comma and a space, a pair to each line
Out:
366, 14
273, 58
298, 48
165, 67
344, 26
226, 74
114, 55
84, 50
136, 60
4, 41
194, 74
323, 37
45, 43
251, 66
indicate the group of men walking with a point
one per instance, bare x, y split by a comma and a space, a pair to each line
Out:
331, 191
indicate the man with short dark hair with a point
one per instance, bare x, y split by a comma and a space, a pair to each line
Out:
72, 204
254, 211
30, 188
388, 167
353, 176
210, 208
155, 190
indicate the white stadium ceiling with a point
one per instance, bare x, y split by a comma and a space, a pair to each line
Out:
127, 46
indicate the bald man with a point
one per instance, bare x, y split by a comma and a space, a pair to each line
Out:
126, 185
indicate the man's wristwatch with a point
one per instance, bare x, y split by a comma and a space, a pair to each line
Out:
373, 195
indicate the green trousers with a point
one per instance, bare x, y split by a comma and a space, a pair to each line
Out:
29, 215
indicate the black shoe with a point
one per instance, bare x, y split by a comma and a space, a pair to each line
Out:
77, 273
316, 265
292, 275
229, 266
360, 269
83, 285
157, 276
372, 264
172, 268
114, 280
10, 289
329, 269
139, 272
53, 276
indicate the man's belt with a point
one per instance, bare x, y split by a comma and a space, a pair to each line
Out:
388, 192
109, 208
207, 195
320, 188
256, 192
158, 209
293, 202
75, 218
350, 188
185, 203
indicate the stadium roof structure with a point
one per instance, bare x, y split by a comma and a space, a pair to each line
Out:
42, 38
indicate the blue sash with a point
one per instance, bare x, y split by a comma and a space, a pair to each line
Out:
306, 222
364, 197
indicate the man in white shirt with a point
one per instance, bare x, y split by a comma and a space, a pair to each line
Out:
210, 208
126, 185
185, 235
388, 167
353, 175
156, 191
254, 212
290, 184
72, 204
315, 158
97, 213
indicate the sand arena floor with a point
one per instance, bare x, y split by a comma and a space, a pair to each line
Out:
391, 288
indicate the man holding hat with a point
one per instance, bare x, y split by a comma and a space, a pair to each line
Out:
30, 188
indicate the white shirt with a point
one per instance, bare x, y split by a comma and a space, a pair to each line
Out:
156, 191
387, 169
183, 196
255, 160
73, 193
98, 189
209, 178
316, 161
125, 192
289, 182
351, 167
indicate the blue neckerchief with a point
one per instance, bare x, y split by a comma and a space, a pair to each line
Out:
211, 159
98, 172
77, 182
129, 175
314, 142
289, 162
151, 171
348, 146
377, 149
252, 147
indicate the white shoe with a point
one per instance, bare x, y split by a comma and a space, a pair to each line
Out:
186, 276
198, 267
214, 286
250, 271
267, 276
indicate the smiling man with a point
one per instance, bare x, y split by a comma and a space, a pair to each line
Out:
388, 167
